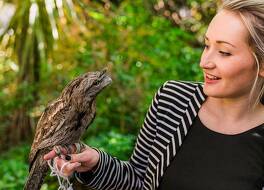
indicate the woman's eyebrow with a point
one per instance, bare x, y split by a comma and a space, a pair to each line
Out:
220, 41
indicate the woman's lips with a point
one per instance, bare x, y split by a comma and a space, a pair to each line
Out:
211, 79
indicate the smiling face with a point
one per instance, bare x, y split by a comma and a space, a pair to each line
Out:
227, 60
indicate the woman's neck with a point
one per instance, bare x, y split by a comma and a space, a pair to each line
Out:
233, 110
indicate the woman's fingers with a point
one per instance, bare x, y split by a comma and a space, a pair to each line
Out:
67, 149
66, 168
58, 150
49, 155
81, 162
71, 158
69, 168
89, 158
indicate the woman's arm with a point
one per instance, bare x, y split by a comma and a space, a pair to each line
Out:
112, 173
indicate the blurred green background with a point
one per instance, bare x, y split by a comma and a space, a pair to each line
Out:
47, 43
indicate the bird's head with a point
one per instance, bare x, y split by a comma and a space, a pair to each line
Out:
82, 91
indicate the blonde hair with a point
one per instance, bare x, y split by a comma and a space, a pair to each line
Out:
252, 14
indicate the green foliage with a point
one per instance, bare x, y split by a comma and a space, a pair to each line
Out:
114, 143
14, 168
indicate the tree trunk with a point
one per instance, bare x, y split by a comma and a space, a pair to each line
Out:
21, 128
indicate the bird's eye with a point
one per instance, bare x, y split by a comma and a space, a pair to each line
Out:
96, 82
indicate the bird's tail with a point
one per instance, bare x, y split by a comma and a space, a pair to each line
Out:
37, 174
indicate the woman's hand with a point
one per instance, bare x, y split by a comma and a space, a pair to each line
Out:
81, 162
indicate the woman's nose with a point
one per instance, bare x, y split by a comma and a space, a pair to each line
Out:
207, 64
207, 59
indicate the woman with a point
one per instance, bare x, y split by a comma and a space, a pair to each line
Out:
198, 136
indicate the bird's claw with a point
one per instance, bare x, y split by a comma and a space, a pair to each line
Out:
57, 150
75, 148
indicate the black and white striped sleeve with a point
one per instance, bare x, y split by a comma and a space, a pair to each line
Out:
112, 173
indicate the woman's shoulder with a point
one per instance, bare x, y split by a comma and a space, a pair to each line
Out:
189, 86
181, 93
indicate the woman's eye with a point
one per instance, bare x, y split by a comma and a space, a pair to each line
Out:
224, 53
206, 46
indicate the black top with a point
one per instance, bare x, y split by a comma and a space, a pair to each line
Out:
209, 160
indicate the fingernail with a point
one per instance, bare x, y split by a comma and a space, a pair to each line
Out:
67, 157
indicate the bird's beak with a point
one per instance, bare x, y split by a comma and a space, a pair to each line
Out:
106, 80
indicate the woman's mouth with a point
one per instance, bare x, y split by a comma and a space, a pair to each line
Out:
211, 78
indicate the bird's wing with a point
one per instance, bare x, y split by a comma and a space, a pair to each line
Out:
47, 125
